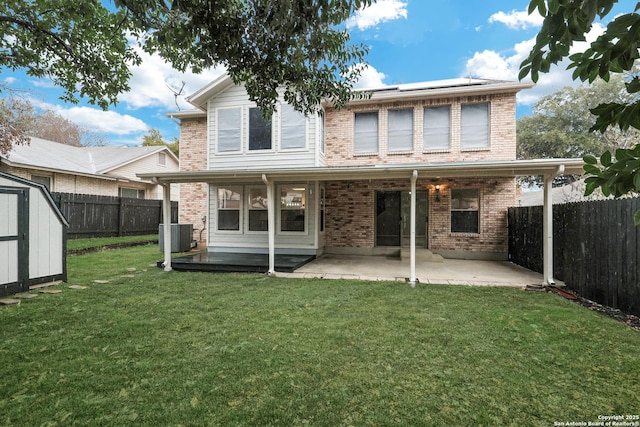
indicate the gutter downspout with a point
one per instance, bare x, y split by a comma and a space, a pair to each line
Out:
547, 228
271, 224
412, 238
166, 219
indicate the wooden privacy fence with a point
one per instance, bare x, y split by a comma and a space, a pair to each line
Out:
595, 248
103, 216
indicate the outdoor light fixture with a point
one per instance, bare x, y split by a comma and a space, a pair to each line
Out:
438, 193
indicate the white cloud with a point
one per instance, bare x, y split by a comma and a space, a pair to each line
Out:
500, 66
8, 81
517, 20
97, 120
369, 78
150, 79
380, 11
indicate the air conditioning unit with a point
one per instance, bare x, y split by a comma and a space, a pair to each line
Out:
181, 237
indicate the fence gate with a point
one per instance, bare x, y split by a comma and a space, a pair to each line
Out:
14, 240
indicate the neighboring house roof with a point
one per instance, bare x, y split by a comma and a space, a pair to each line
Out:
573, 192
90, 161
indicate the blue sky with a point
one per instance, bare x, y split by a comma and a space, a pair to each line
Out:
410, 41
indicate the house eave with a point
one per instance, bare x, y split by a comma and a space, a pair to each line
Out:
510, 168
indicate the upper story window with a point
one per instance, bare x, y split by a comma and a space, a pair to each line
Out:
365, 138
229, 129
400, 130
474, 125
259, 131
465, 206
293, 125
437, 128
162, 159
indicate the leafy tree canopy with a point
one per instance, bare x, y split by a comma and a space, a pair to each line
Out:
154, 138
87, 47
614, 52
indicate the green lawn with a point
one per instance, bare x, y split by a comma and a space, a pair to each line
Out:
197, 349
98, 242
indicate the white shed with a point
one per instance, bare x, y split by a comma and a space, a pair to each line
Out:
33, 236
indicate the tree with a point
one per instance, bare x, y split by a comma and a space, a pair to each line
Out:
53, 127
85, 48
614, 52
154, 138
560, 123
16, 118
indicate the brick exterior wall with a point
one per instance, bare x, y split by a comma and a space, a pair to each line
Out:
339, 130
350, 213
193, 157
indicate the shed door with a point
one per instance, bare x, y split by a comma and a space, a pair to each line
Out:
14, 240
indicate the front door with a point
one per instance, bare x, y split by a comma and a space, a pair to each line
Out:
393, 218
14, 246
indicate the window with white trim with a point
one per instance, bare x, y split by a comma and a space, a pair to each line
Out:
474, 126
257, 209
436, 128
132, 193
229, 203
400, 129
162, 159
293, 128
465, 207
259, 131
365, 138
292, 208
229, 129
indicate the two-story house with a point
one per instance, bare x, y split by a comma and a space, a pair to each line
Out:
424, 165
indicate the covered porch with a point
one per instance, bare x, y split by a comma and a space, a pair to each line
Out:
548, 168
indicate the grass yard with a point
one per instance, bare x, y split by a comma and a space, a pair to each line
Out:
98, 242
198, 349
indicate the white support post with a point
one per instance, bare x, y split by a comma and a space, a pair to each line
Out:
547, 228
412, 238
166, 219
271, 224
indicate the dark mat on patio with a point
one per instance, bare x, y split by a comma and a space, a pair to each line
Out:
238, 262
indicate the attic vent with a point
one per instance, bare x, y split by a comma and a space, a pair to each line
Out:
162, 159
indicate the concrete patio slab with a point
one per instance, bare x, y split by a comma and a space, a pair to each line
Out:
449, 271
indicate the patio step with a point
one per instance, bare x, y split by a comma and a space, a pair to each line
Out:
422, 255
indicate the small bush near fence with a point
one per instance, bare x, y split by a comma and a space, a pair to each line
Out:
595, 248
105, 216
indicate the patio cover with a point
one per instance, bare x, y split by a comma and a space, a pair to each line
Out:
548, 168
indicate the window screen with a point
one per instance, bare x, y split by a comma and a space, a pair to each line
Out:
474, 126
259, 131
258, 213
292, 208
400, 130
437, 128
365, 138
293, 124
229, 129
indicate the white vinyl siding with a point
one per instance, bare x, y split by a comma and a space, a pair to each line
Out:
474, 125
365, 138
235, 97
229, 126
437, 128
293, 128
400, 129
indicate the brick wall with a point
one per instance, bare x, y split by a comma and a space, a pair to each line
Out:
193, 157
339, 129
350, 213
